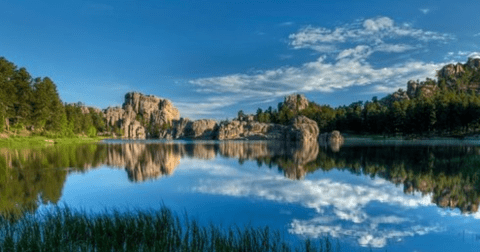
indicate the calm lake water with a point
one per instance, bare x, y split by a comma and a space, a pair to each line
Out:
379, 195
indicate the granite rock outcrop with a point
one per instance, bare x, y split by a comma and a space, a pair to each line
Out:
141, 116
296, 102
301, 129
463, 77
147, 116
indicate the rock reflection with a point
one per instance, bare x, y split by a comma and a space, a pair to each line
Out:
143, 162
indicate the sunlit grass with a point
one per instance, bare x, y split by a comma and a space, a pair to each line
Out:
62, 229
19, 142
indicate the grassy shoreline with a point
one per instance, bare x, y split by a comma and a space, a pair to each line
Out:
19, 141
62, 229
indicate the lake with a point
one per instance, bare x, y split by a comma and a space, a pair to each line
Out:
378, 195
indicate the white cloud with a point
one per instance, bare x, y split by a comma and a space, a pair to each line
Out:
366, 235
378, 24
425, 11
358, 53
381, 89
474, 55
397, 48
349, 70
370, 31
461, 56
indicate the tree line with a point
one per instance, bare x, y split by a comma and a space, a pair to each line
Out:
448, 111
33, 103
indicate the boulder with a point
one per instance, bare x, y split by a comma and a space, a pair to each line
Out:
303, 130
333, 139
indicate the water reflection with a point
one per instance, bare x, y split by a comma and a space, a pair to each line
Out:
449, 174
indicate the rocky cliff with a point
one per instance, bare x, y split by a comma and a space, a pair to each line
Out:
184, 128
458, 76
141, 115
300, 129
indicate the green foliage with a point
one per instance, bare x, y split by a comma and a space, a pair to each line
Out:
2, 122
92, 131
35, 101
63, 229
240, 114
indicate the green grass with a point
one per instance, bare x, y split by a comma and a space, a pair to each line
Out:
62, 229
19, 142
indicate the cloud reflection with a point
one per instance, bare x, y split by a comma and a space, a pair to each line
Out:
341, 207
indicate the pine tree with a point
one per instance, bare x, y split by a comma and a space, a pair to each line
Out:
23, 95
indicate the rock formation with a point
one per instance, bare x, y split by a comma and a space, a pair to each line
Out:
451, 71
141, 116
250, 130
458, 76
296, 102
474, 63
303, 130
183, 128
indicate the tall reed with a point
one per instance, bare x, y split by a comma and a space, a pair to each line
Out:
63, 229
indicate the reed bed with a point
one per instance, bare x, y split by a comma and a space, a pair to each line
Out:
62, 229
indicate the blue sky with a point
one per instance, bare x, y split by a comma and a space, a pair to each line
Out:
213, 58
